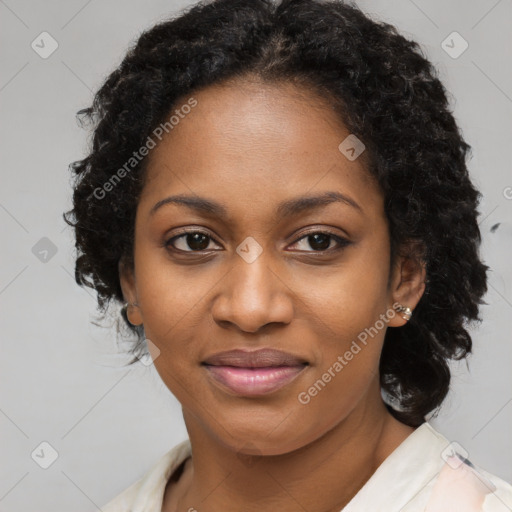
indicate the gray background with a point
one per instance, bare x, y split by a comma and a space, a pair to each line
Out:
109, 426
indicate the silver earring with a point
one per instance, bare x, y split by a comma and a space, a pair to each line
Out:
407, 313
125, 310
125, 306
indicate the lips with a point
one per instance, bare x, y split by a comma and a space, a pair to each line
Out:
262, 358
253, 373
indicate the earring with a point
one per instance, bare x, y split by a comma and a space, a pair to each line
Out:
407, 313
125, 310
126, 304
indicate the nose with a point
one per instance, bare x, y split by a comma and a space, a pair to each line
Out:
252, 296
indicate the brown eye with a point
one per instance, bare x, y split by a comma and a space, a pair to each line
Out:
321, 241
192, 241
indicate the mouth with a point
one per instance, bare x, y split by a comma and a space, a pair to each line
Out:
253, 373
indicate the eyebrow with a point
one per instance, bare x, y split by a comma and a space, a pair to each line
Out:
285, 209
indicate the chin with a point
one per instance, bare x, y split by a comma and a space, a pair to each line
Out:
268, 433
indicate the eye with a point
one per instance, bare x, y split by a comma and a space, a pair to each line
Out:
321, 241
195, 241
198, 241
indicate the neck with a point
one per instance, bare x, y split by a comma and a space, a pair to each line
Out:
324, 475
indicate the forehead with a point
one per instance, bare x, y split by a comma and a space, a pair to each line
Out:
248, 139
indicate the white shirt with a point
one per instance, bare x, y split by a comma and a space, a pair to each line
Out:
423, 474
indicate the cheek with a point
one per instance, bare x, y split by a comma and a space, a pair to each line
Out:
345, 310
346, 298
171, 295
346, 366
171, 299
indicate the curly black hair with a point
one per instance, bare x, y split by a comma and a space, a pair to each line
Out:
385, 91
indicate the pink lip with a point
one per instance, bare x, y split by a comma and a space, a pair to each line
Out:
254, 381
254, 373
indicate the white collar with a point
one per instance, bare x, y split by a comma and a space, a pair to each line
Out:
403, 482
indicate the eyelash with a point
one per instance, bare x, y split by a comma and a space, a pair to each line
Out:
342, 242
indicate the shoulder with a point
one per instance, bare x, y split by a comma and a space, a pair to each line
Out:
462, 485
428, 473
147, 492
500, 498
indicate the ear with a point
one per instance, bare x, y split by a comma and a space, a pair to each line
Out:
129, 289
408, 280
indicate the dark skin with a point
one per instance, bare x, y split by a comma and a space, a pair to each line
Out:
251, 146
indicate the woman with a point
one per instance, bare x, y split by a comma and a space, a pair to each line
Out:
277, 193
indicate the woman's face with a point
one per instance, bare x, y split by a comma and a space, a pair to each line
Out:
293, 256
